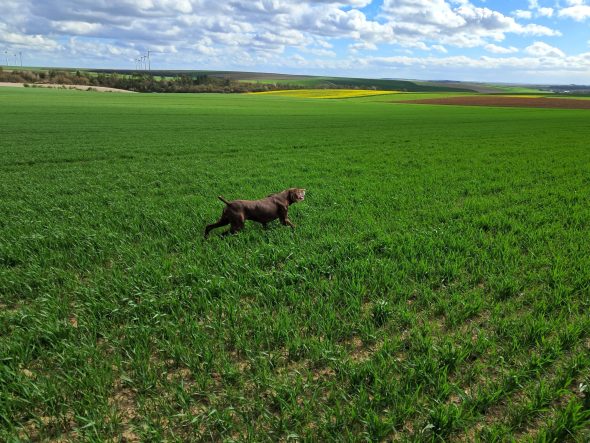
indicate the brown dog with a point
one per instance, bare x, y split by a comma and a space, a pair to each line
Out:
262, 211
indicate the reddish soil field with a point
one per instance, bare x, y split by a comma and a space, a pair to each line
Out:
500, 101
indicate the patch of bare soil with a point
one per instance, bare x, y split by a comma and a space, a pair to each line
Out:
56, 86
505, 101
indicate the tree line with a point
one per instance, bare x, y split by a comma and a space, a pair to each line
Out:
140, 82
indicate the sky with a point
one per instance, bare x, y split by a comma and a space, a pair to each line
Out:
518, 41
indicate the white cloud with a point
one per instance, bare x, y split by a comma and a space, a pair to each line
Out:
323, 43
364, 46
545, 12
465, 25
520, 13
500, 49
236, 34
319, 52
97, 50
534, 10
538, 30
424, 12
542, 49
287, 37
268, 26
298, 59
577, 10
204, 47
76, 27
578, 63
21, 41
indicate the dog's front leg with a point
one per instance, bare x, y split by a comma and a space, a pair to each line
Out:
283, 216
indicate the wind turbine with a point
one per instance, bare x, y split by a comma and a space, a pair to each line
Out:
149, 52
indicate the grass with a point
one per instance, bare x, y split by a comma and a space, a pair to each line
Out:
435, 289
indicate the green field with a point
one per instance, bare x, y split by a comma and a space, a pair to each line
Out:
436, 287
343, 82
521, 90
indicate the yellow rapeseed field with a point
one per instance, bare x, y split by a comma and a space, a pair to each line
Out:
326, 93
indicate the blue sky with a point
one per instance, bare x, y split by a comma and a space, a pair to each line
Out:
525, 41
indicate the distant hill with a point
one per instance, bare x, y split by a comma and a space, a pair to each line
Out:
284, 81
304, 80
488, 88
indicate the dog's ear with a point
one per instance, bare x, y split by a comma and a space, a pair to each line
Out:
292, 195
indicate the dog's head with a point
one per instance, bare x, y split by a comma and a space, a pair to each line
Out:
296, 195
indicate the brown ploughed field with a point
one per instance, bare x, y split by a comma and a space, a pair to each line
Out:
505, 101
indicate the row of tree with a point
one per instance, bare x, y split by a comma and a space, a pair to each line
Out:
140, 82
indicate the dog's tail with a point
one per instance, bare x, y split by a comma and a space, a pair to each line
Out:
220, 197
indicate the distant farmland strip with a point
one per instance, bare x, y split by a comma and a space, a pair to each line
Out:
326, 93
507, 101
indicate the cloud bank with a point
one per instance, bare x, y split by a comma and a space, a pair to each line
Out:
353, 37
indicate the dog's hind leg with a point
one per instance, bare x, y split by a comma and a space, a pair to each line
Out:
222, 222
237, 224
236, 227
